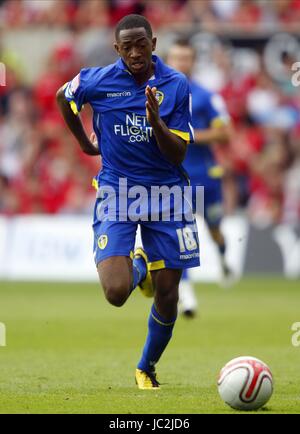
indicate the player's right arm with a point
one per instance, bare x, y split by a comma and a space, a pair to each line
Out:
71, 99
74, 123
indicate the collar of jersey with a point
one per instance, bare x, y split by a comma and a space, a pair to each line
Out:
158, 66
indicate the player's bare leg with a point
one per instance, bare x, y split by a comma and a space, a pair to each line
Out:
115, 274
160, 325
166, 283
120, 275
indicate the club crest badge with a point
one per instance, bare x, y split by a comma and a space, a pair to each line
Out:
159, 96
102, 242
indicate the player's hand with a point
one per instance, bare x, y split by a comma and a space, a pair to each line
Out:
152, 106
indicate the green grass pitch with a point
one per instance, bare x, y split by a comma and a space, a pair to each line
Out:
69, 351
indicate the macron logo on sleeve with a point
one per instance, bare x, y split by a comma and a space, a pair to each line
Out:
118, 94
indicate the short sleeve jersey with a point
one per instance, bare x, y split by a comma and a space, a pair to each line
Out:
126, 140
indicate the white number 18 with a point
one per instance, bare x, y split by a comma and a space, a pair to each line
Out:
186, 238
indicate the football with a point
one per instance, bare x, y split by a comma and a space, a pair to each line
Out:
245, 383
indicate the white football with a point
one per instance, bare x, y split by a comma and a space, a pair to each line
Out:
245, 383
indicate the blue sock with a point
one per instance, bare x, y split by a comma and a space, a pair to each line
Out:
139, 268
159, 335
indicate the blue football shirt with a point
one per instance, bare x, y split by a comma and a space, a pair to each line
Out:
126, 140
208, 109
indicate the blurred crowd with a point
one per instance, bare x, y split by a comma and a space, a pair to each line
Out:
216, 15
41, 167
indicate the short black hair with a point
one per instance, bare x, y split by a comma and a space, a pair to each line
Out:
186, 43
133, 21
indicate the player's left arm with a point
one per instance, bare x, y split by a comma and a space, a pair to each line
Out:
218, 133
220, 130
171, 145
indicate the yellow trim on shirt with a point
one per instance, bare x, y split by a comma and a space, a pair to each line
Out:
185, 136
218, 123
95, 184
74, 107
216, 172
73, 104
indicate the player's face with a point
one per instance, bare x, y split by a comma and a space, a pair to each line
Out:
135, 47
182, 59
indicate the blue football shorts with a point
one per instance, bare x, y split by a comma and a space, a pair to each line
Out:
168, 244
